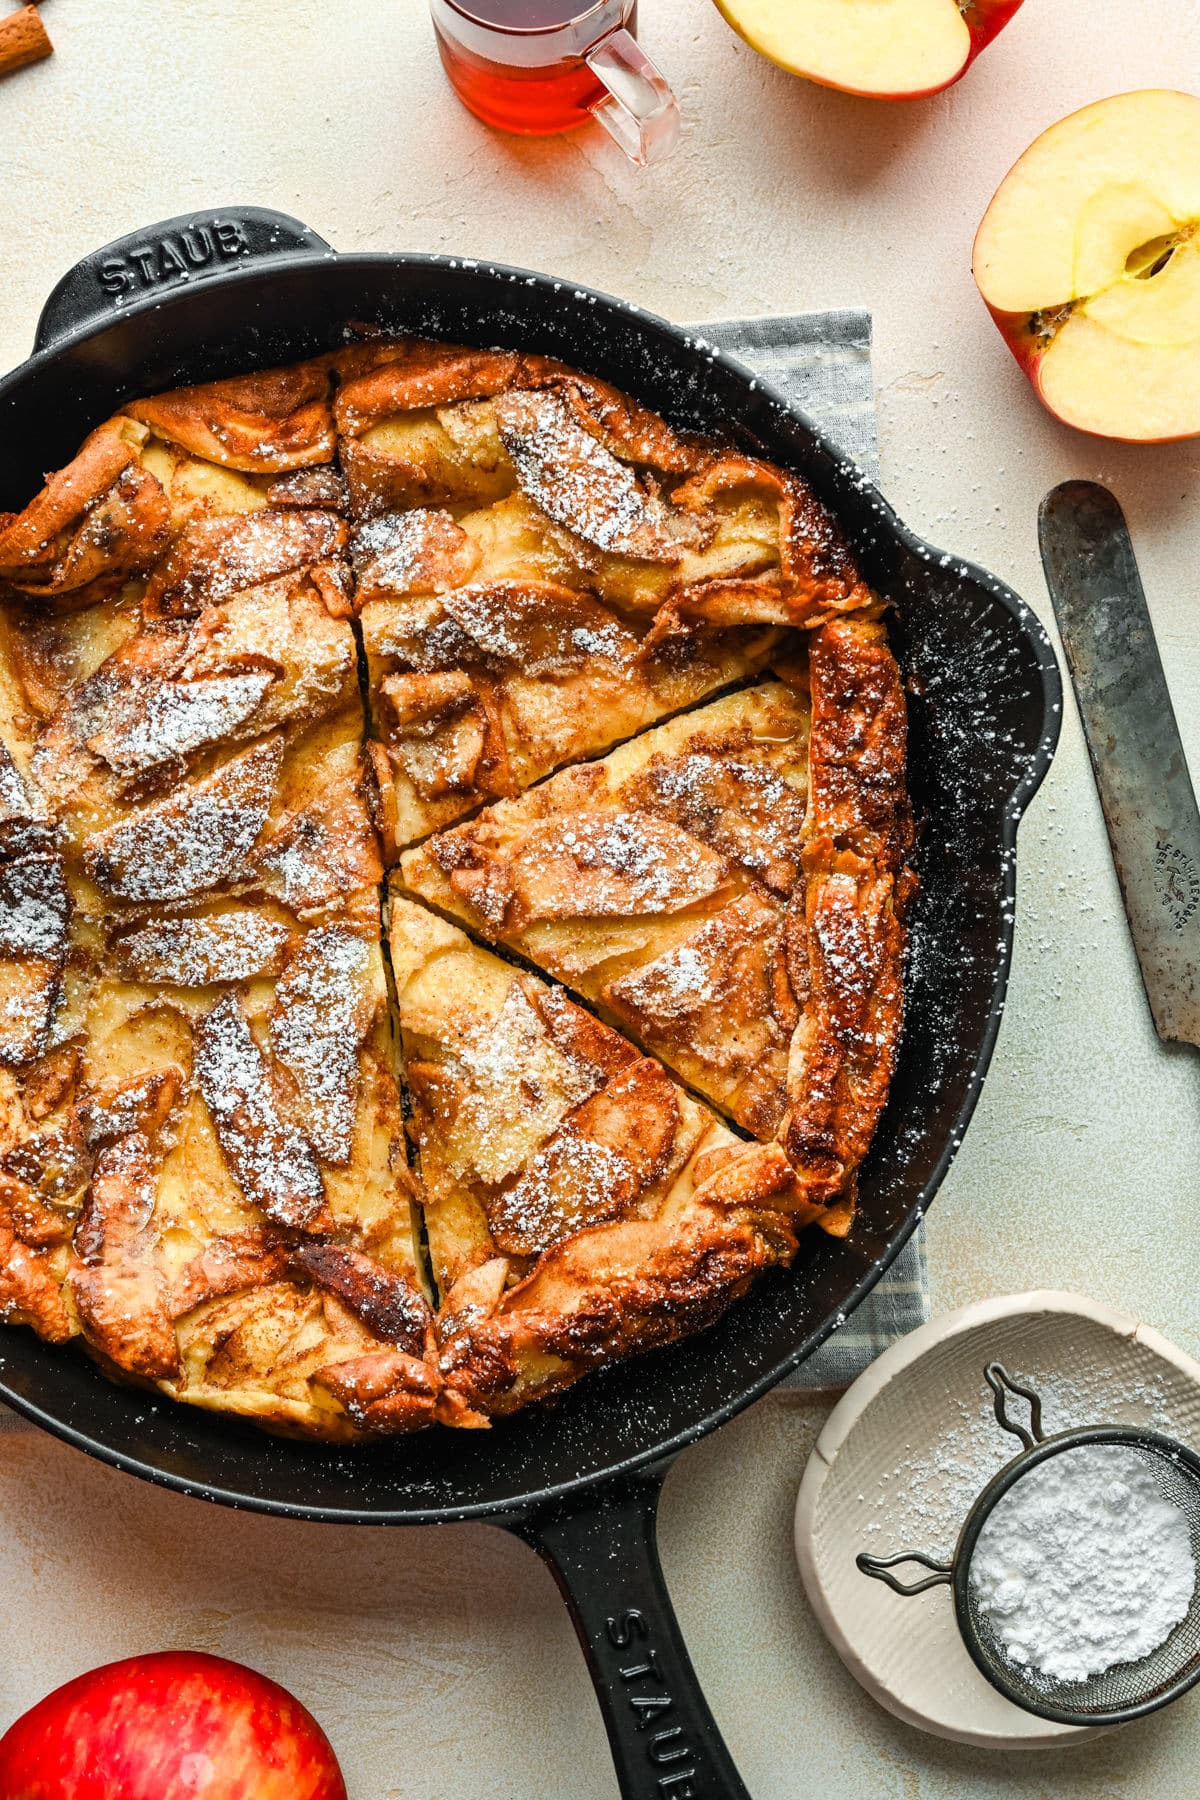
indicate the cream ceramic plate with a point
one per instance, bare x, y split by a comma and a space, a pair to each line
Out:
906, 1450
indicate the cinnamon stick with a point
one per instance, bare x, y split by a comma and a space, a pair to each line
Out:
23, 39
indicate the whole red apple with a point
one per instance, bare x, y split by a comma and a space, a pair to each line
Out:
175, 1726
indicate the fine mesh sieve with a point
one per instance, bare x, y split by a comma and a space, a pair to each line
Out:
1124, 1691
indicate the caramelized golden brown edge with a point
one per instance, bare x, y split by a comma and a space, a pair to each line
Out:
274, 421
172, 514
850, 937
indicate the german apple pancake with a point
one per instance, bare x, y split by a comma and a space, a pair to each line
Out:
349, 1153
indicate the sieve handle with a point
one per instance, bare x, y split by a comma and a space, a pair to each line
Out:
1005, 1388
881, 1568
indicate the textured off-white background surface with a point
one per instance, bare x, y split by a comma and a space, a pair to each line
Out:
442, 1662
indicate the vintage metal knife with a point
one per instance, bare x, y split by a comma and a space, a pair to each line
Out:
1137, 758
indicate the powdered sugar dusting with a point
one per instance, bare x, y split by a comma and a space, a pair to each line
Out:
404, 551
17, 800
571, 1182
215, 558
161, 721
233, 946
194, 841
744, 808
673, 987
655, 868
272, 1161
570, 476
34, 907
536, 628
519, 1086
323, 1009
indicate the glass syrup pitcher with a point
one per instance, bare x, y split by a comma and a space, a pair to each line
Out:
544, 66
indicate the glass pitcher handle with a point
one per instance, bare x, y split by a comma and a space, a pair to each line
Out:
637, 109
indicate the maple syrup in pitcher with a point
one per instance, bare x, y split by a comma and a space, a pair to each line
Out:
544, 66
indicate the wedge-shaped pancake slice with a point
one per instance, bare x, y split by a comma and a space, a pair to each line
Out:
579, 1204
247, 1238
657, 883
731, 889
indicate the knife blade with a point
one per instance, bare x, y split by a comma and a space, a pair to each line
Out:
1133, 740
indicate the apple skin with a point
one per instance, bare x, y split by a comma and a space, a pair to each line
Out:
1028, 350
178, 1725
984, 19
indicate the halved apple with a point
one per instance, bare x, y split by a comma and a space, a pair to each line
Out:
886, 49
1088, 259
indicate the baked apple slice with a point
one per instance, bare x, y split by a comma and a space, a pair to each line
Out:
198, 838
1089, 261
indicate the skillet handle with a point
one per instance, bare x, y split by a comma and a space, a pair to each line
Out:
602, 1551
162, 256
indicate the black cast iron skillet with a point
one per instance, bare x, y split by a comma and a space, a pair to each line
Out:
198, 298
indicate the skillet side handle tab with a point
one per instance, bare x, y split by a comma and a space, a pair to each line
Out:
602, 1550
167, 255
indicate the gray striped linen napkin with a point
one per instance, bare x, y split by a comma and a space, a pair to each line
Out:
823, 362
